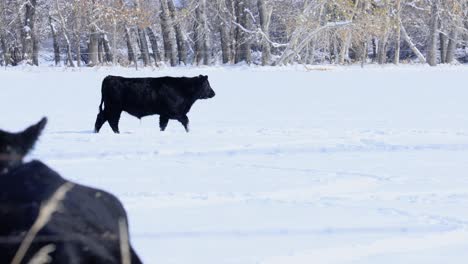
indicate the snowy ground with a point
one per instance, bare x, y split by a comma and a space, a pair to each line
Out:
330, 165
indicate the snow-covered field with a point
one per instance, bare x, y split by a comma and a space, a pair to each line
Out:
288, 165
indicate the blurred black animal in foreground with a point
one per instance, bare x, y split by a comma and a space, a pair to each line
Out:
169, 97
47, 219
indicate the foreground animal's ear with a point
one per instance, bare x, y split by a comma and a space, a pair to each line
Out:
29, 136
203, 77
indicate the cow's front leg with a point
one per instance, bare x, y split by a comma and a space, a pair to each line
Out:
163, 120
185, 122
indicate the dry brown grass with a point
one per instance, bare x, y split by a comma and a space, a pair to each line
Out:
124, 244
45, 213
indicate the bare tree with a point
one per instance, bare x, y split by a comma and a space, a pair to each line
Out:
396, 60
131, 52
168, 34
143, 46
411, 44
64, 30
203, 33
30, 42
53, 30
180, 37
154, 45
232, 31
432, 41
243, 39
223, 22
383, 40
265, 18
106, 49
452, 45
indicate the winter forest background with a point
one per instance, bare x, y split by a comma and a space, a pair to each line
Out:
206, 32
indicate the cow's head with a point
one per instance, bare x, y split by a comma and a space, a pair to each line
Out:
14, 146
206, 91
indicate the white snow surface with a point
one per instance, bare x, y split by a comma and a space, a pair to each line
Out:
284, 165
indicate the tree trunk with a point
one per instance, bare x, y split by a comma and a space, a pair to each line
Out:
202, 40
247, 22
336, 52
452, 45
413, 47
154, 45
114, 42
265, 18
101, 50
382, 51
15, 55
243, 45
197, 34
69, 54
364, 54
344, 47
231, 5
65, 34
432, 43
55, 42
224, 31
16, 51
225, 48
93, 47
168, 35
383, 40
35, 54
131, 52
396, 60
30, 44
311, 52
206, 34
3, 32
144, 47
443, 47
374, 50
6, 57
77, 34
108, 56
180, 37
78, 51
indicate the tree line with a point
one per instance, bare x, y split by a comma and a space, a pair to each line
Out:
206, 32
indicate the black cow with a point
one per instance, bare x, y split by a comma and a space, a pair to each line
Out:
84, 228
170, 97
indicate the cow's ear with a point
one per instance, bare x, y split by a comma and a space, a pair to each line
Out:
29, 136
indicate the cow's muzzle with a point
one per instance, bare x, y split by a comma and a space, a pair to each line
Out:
211, 95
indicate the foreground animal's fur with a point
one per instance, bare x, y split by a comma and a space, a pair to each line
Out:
169, 97
84, 228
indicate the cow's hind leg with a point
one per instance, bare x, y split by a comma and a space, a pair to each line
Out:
163, 121
185, 122
113, 119
100, 120
134, 257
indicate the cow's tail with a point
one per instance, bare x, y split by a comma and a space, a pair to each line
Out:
102, 97
100, 105
100, 119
